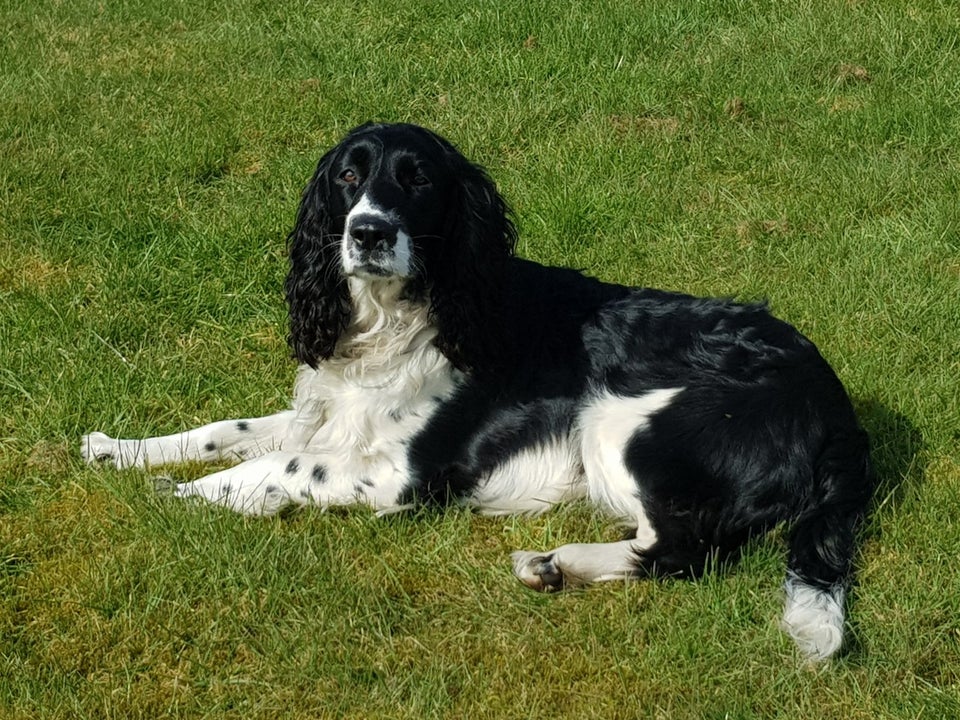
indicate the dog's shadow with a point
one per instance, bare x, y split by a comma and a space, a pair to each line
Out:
896, 449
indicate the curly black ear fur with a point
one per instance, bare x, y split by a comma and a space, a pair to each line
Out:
316, 289
466, 296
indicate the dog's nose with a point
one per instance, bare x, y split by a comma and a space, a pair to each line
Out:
371, 232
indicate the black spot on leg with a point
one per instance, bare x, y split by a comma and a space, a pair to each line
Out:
243, 426
395, 415
225, 489
367, 482
210, 446
270, 489
318, 474
293, 466
306, 494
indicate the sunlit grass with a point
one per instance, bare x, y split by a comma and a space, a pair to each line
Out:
151, 160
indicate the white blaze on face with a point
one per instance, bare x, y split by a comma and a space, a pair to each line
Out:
390, 261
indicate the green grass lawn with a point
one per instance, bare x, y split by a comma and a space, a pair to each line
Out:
151, 160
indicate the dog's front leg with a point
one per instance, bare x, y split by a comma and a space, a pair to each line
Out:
280, 480
223, 440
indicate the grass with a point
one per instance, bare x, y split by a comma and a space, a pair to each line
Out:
151, 159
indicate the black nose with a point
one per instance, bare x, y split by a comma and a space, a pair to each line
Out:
371, 232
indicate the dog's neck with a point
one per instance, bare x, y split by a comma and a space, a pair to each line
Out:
385, 322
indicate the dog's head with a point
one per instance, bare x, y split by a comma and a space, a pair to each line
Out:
396, 203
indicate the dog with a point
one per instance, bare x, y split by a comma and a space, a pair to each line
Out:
437, 367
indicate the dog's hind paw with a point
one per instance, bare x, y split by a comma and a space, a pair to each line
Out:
537, 571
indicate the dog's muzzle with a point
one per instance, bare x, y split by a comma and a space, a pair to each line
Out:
370, 233
375, 245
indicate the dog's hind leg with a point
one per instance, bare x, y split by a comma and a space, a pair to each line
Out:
606, 426
578, 564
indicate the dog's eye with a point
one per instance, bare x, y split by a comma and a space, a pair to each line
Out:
420, 180
349, 177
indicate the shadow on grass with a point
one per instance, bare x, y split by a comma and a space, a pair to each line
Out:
896, 447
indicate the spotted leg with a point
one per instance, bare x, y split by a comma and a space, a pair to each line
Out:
226, 439
281, 479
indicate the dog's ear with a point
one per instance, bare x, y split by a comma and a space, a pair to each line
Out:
316, 290
466, 295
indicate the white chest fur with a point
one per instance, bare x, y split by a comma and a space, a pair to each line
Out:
364, 404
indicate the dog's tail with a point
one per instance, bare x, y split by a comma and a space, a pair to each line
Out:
823, 544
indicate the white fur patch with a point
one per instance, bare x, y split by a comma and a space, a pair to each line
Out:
358, 409
814, 618
365, 206
606, 426
531, 481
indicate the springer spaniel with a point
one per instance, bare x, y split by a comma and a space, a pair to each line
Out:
436, 367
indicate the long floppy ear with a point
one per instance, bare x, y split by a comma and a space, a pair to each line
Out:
466, 295
316, 289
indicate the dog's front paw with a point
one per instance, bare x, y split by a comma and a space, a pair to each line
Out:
537, 571
99, 448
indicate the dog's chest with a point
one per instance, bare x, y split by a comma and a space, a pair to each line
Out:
365, 413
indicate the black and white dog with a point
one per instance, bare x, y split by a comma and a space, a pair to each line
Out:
437, 367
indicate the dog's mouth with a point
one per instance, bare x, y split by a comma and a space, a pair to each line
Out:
370, 269
377, 262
